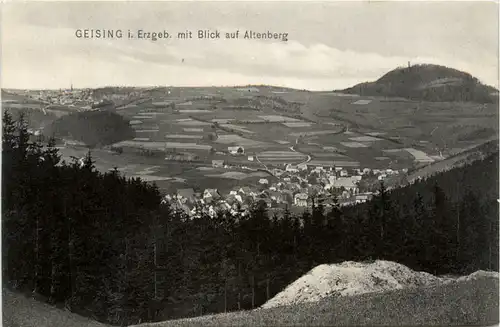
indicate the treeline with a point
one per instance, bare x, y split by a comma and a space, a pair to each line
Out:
104, 246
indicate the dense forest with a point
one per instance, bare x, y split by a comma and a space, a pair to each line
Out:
104, 246
93, 128
428, 83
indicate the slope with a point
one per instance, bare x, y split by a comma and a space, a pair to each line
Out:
469, 301
458, 160
20, 311
428, 83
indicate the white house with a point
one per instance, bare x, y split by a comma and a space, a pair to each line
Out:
217, 163
302, 166
211, 212
344, 173
263, 181
348, 183
363, 197
236, 150
291, 168
211, 194
300, 199
250, 158
331, 179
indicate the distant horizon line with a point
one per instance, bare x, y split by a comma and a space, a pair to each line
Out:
168, 86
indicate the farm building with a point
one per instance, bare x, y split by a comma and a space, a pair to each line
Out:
302, 166
291, 168
250, 158
363, 197
217, 163
277, 172
319, 169
348, 183
245, 190
186, 194
344, 173
211, 194
323, 164
263, 181
236, 150
300, 199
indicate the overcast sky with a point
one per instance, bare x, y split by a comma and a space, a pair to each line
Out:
330, 44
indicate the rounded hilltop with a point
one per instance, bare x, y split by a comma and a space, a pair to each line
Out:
428, 82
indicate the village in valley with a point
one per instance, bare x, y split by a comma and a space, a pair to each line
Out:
216, 149
292, 187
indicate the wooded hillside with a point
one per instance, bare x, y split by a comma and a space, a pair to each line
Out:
105, 247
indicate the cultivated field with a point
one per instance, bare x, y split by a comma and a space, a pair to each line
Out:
281, 157
329, 127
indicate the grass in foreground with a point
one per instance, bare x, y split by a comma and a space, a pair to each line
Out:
20, 311
465, 303
472, 303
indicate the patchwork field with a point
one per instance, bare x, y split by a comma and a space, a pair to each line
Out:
190, 122
297, 124
278, 119
337, 163
354, 144
238, 175
183, 136
281, 157
237, 128
234, 139
326, 126
420, 156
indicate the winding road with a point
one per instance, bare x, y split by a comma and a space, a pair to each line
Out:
303, 162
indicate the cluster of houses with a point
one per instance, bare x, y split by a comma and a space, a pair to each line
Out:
80, 98
210, 201
294, 186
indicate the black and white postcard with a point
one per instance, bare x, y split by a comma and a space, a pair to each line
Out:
259, 163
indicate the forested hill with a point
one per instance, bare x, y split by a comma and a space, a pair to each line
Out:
428, 83
88, 239
92, 128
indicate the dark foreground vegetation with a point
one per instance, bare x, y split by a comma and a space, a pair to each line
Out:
428, 83
104, 247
